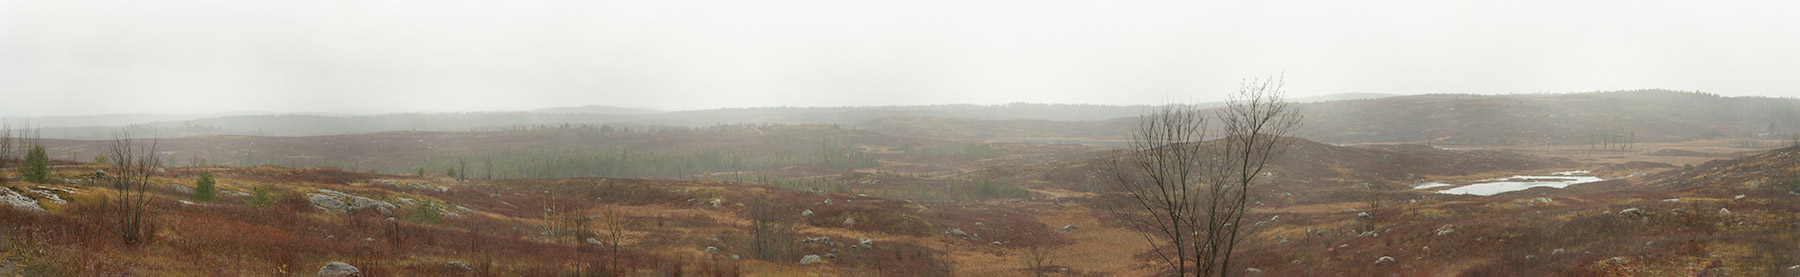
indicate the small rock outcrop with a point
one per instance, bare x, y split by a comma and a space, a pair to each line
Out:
18, 201
866, 243
712, 250
809, 259
1384, 260
806, 213
849, 222
1446, 229
958, 232
1070, 228
338, 269
595, 242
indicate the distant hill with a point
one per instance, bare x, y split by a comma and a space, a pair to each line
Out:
597, 109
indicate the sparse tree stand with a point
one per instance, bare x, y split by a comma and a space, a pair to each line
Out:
36, 168
132, 162
1186, 196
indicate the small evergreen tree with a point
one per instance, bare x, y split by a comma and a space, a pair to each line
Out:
203, 189
450, 172
37, 166
100, 159
260, 197
428, 212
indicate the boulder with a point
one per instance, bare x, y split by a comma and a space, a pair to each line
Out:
714, 202
1069, 228
806, 213
1558, 251
866, 243
1618, 260
460, 266
830, 256
1632, 212
958, 232
595, 242
849, 222
338, 269
809, 259
181, 189
734, 257
1724, 211
1362, 215
1446, 229
1384, 260
712, 250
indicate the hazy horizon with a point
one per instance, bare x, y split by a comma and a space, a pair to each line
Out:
351, 57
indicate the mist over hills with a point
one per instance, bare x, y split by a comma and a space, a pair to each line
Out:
1531, 119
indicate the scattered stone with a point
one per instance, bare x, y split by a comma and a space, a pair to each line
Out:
596, 242
809, 259
978, 223
1724, 211
734, 257
849, 222
866, 243
1738, 197
1618, 260
1362, 215
1384, 260
806, 213
1253, 271
714, 202
338, 269
185, 202
996, 243
1558, 251
1069, 228
712, 250
160, 170
1672, 200
830, 256
49, 196
1446, 229
827, 201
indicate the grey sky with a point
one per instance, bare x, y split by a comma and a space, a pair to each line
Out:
186, 56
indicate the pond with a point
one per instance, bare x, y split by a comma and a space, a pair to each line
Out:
1515, 183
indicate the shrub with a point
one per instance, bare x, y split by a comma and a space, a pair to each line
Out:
204, 190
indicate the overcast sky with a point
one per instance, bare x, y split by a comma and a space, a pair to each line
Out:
358, 56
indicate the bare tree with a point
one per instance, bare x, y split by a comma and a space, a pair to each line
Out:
132, 159
6, 146
614, 222
1192, 193
1038, 258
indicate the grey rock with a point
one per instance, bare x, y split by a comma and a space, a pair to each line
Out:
338, 269
849, 222
1384, 260
327, 203
181, 189
866, 243
1069, 229
809, 259
806, 213
712, 250
460, 266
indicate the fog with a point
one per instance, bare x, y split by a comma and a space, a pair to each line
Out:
189, 56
